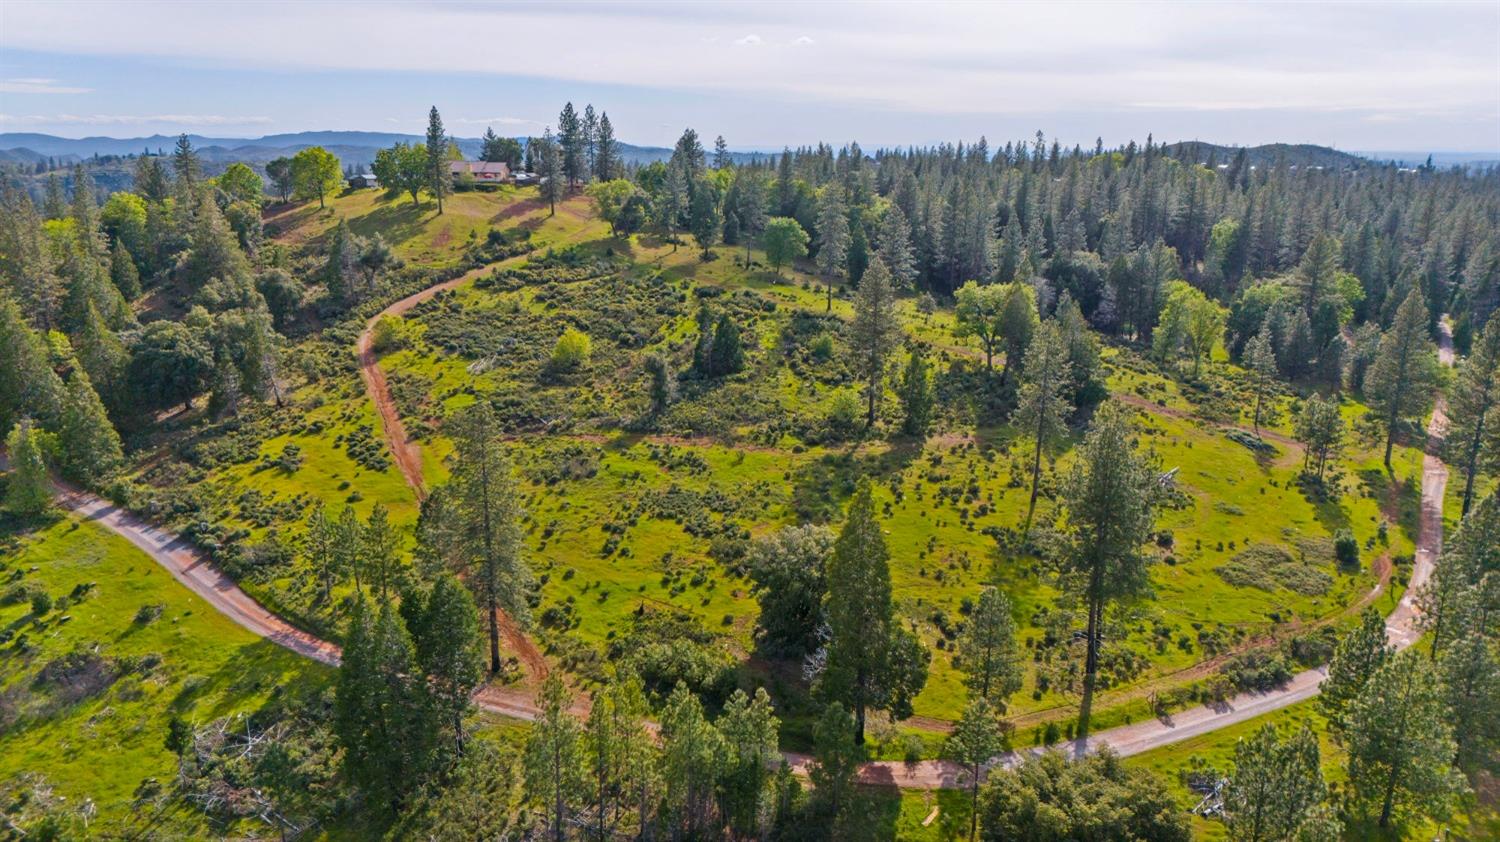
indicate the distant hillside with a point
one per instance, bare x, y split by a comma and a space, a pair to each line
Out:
357, 148
1290, 154
1409, 158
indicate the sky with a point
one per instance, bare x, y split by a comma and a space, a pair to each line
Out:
1355, 76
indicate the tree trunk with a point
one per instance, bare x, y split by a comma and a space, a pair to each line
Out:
974, 805
859, 710
1471, 466
1390, 435
1036, 477
1390, 786
1090, 665
494, 635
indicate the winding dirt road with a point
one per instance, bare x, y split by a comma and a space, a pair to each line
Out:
197, 573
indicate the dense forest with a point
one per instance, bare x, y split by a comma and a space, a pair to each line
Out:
145, 338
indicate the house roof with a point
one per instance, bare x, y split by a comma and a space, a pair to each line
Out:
479, 167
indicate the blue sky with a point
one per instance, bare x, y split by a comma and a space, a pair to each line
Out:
1354, 76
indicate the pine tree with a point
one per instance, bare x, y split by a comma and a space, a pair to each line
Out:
378, 547
450, 654
721, 153
88, 444
859, 250
439, 179
1260, 364
663, 383
606, 154
348, 551
693, 754
1275, 785
590, 141
1042, 406
1110, 497
727, 355
1472, 441
381, 716
26, 261
123, 272
705, 218
987, 650
606, 747
215, 252
1455, 603
837, 750
341, 271
550, 170
104, 358
871, 662
489, 509
570, 139
748, 728
1320, 428
28, 489
916, 396
894, 247
28, 384
554, 758
322, 559
1401, 745
874, 333
1360, 654
55, 202
1405, 370
833, 236
1470, 671
977, 737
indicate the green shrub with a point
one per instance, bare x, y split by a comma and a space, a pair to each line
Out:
390, 333
572, 351
41, 603
844, 415
1346, 548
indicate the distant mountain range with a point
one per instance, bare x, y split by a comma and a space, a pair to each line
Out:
1308, 155
357, 148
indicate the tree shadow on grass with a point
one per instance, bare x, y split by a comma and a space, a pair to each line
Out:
1327, 508
396, 221
259, 668
820, 486
1400, 499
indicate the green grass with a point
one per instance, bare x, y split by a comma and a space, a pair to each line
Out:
190, 662
941, 553
1215, 752
605, 547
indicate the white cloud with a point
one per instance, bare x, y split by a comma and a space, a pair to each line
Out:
498, 121
38, 86
949, 59
184, 120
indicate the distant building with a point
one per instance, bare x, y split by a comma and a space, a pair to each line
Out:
483, 172
362, 180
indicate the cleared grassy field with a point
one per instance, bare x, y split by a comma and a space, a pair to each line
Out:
738, 442
92, 684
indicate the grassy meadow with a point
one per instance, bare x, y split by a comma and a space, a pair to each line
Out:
628, 514
90, 685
